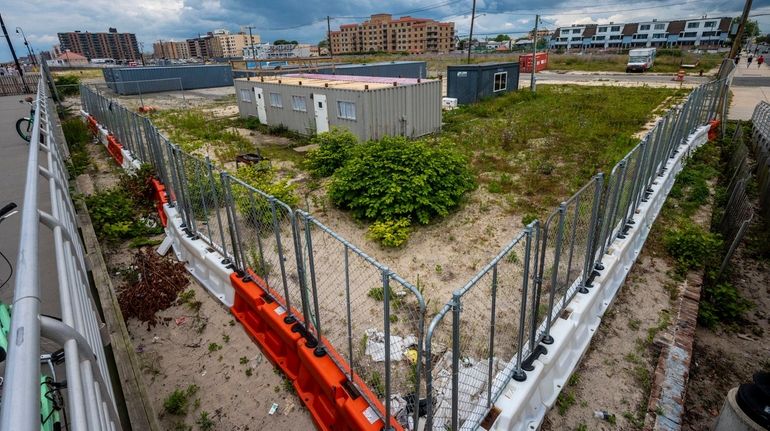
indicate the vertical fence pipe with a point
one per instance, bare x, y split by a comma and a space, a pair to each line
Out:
314, 288
386, 302
573, 236
593, 229
279, 248
536, 285
492, 335
554, 273
218, 200
347, 310
518, 373
455, 360
235, 236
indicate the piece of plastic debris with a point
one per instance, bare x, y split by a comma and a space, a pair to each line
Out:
180, 320
140, 348
273, 409
411, 355
604, 415
203, 373
156, 339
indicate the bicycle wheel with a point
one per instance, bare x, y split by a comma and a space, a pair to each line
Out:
24, 128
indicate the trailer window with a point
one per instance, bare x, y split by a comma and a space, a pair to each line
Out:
275, 100
298, 103
245, 96
346, 110
501, 81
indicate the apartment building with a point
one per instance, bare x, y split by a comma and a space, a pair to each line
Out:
171, 50
266, 51
201, 46
708, 32
383, 33
110, 44
229, 45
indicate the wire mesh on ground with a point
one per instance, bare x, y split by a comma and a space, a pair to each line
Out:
371, 321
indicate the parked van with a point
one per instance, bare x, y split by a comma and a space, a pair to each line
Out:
640, 60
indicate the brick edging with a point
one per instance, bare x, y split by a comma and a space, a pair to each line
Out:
665, 408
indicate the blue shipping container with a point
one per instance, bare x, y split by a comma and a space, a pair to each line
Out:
135, 80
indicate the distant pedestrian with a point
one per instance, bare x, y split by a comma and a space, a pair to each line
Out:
760, 60
737, 59
751, 57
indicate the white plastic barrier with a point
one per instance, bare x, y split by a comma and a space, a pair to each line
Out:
523, 405
203, 262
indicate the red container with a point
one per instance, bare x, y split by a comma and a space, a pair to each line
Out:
525, 62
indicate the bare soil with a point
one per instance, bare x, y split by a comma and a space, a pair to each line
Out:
614, 375
236, 384
725, 357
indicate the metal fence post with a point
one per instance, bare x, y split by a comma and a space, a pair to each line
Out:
518, 374
594, 229
547, 338
492, 335
386, 322
456, 304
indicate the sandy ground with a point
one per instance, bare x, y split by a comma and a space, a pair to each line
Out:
610, 375
728, 356
237, 385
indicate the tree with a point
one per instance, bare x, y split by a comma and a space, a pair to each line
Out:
502, 38
323, 44
285, 42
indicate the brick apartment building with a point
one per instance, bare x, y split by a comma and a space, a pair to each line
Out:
111, 44
383, 33
171, 50
220, 44
655, 33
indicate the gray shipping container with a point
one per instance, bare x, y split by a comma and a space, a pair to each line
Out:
391, 69
470, 83
135, 80
370, 107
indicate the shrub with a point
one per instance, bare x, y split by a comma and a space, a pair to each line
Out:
67, 85
77, 135
253, 207
394, 179
115, 216
390, 233
176, 403
691, 246
333, 151
721, 302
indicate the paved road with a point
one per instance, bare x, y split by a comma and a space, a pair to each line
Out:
13, 165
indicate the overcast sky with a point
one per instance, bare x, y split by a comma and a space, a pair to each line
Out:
305, 20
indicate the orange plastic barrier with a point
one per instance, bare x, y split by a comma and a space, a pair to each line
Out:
92, 125
333, 402
160, 199
714, 129
114, 148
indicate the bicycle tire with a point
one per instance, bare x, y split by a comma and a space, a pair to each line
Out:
24, 128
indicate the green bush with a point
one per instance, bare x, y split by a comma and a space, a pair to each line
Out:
116, 216
390, 233
691, 245
77, 135
254, 208
395, 179
67, 85
333, 151
721, 302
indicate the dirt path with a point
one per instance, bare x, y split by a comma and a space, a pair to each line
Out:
199, 349
615, 374
728, 356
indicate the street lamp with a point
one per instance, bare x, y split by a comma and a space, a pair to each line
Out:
29, 49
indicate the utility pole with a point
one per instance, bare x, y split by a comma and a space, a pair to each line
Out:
739, 33
329, 35
13, 53
534, 55
251, 43
470, 36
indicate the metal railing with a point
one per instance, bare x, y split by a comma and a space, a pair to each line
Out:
90, 402
370, 321
761, 148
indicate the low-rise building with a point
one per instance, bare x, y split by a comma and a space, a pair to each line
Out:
69, 59
266, 51
370, 107
655, 33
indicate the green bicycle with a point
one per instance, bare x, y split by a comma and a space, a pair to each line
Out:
24, 125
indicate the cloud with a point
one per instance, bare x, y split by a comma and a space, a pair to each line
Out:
305, 20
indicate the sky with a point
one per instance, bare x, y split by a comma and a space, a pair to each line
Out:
305, 20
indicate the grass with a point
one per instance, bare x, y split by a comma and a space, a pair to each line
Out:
178, 401
536, 149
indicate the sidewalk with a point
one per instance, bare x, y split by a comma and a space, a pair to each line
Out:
751, 85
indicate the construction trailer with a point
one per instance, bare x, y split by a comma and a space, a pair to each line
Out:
469, 83
143, 80
369, 107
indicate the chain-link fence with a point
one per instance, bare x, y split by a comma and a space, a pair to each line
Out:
369, 320
761, 148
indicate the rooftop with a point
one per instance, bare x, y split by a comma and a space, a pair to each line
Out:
347, 82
